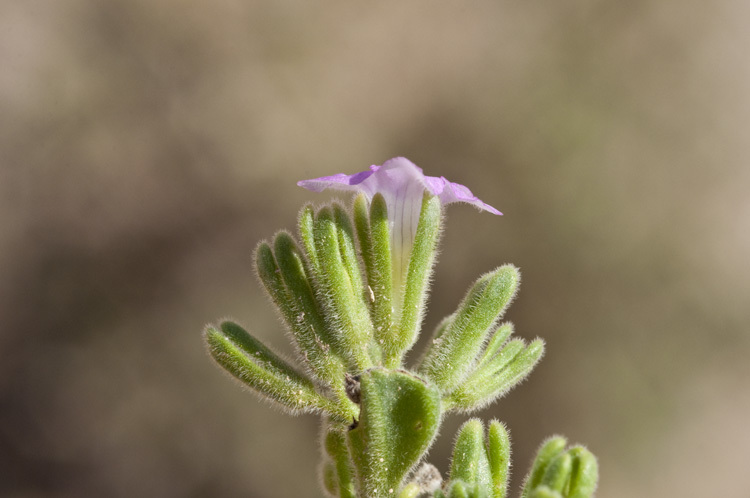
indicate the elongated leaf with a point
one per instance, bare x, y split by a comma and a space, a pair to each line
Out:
346, 306
497, 376
380, 275
298, 308
250, 361
549, 450
336, 449
470, 462
421, 262
584, 475
498, 451
448, 363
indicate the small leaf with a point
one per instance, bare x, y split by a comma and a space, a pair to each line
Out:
497, 376
411, 490
454, 357
330, 479
544, 492
498, 451
549, 450
303, 312
495, 344
470, 462
347, 246
436, 339
347, 307
399, 418
585, 473
305, 226
381, 273
421, 262
260, 368
557, 474
298, 310
335, 446
461, 489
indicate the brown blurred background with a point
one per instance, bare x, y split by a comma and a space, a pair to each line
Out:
146, 147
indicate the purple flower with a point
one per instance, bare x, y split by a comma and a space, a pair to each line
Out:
400, 181
402, 184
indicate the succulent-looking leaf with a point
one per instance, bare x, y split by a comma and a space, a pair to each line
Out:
498, 451
291, 291
560, 473
497, 376
584, 475
557, 474
304, 317
545, 492
470, 462
482, 464
336, 449
373, 232
550, 449
399, 417
260, 368
449, 361
347, 307
329, 478
416, 278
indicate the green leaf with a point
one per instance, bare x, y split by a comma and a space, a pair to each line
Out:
304, 314
336, 449
496, 342
399, 418
380, 275
347, 246
460, 489
544, 492
455, 355
346, 307
497, 376
250, 361
305, 226
360, 213
549, 450
584, 475
557, 474
291, 291
411, 490
421, 261
498, 451
329, 477
435, 340
470, 462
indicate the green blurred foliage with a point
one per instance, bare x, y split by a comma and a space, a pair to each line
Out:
146, 147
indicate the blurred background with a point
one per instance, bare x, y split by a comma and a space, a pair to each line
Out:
146, 148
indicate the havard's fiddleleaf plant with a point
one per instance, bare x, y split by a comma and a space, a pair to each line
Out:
352, 290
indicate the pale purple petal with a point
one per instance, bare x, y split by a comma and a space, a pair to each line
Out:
393, 179
450, 192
